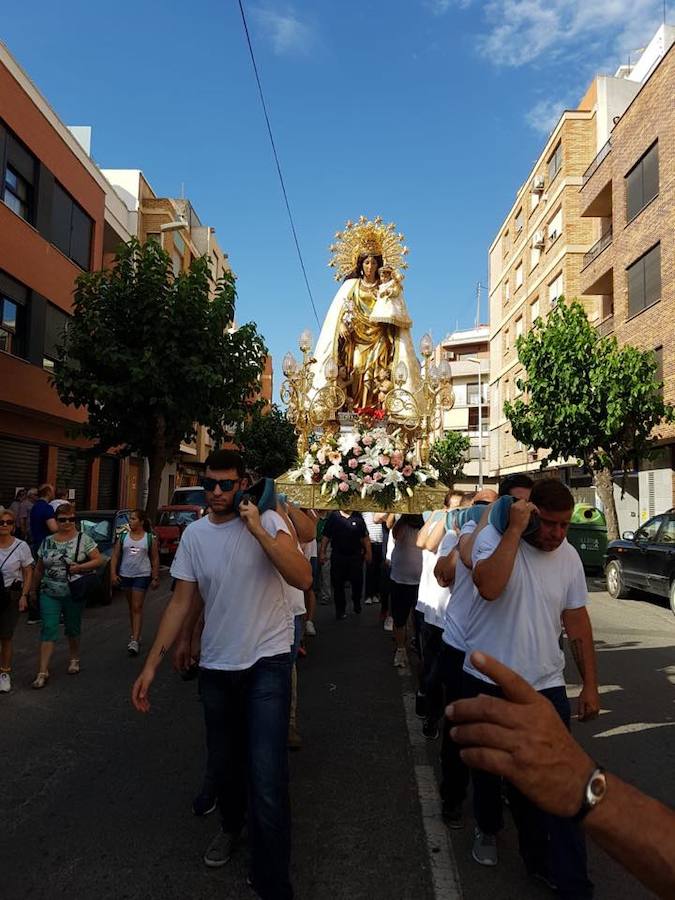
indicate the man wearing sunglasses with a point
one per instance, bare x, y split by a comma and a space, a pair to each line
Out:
237, 560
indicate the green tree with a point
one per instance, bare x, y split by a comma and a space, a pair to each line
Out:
448, 455
151, 355
587, 398
269, 442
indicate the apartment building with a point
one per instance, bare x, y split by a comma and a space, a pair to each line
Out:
468, 352
549, 242
58, 217
628, 195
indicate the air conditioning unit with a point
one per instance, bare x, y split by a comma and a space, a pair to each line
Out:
538, 184
538, 241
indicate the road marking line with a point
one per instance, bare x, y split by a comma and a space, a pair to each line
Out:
444, 871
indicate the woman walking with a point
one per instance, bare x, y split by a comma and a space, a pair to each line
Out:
406, 571
135, 567
63, 557
16, 571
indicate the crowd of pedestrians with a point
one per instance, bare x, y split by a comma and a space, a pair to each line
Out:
476, 597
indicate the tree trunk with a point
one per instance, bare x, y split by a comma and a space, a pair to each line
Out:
156, 462
605, 488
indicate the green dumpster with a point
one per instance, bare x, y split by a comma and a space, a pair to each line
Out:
588, 535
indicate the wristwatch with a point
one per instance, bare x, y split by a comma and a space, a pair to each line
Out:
594, 793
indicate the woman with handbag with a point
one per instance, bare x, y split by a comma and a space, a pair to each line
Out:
16, 572
135, 567
66, 564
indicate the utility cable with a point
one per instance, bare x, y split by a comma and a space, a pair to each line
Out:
276, 159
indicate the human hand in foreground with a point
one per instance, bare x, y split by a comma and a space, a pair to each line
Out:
521, 738
588, 704
519, 515
141, 689
250, 516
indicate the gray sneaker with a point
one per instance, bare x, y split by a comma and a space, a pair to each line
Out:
220, 850
484, 848
133, 647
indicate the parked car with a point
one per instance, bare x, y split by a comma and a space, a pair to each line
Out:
171, 522
644, 559
104, 526
189, 496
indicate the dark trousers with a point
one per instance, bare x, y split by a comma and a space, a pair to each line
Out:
385, 588
374, 571
547, 843
345, 569
455, 775
431, 682
246, 714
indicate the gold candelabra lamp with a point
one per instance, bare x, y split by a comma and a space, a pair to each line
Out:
308, 409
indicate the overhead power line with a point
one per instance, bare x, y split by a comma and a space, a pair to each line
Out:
276, 159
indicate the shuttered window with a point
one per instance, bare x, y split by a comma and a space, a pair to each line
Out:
644, 281
642, 182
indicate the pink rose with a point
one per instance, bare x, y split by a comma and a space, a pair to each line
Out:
343, 486
367, 441
316, 469
377, 476
343, 476
367, 469
397, 459
357, 451
327, 477
384, 460
368, 479
407, 471
353, 463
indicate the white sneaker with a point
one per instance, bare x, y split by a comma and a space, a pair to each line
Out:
5, 683
389, 624
484, 849
133, 647
400, 658
369, 601
310, 629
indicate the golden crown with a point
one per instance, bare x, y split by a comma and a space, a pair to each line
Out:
367, 237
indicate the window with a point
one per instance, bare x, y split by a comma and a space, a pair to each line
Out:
649, 530
519, 327
555, 162
644, 281
17, 193
154, 236
507, 340
506, 244
473, 419
519, 275
472, 393
555, 289
518, 222
55, 324
667, 535
534, 200
642, 182
474, 452
71, 228
535, 253
8, 325
555, 226
177, 261
507, 291
534, 310
507, 391
658, 353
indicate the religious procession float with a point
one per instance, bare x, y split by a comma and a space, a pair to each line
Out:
363, 407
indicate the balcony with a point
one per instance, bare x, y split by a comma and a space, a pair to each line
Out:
606, 327
597, 248
595, 165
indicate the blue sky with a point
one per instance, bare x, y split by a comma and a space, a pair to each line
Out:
427, 112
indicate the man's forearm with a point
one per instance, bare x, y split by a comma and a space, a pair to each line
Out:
639, 832
491, 575
305, 527
192, 617
287, 560
169, 627
580, 636
435, 536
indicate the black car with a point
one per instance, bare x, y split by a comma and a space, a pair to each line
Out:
104, 526
644, 559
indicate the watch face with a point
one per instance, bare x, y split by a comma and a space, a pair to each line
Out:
596, 788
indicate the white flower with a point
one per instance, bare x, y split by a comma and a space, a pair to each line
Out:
392, 476
348, 441
421, 476
321, 456
335, 470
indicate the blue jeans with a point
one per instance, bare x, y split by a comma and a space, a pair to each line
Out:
547, 843
246, 714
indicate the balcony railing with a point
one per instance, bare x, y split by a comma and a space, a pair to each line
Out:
590, 171
606, 327
597, 248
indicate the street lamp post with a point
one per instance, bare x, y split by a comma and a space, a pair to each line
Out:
474, 359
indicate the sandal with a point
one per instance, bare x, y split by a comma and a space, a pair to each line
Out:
41, 680
74, 667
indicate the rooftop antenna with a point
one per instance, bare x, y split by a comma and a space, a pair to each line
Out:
479, 288
182, 190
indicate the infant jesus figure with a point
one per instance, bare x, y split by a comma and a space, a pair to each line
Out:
389, 308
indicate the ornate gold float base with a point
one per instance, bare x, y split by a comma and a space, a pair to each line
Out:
309, 496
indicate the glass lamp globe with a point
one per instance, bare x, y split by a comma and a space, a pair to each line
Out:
305, 341
426, 345
401, 374
289, 365
445, 371
330, 370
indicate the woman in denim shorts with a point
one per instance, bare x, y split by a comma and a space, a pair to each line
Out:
135, 567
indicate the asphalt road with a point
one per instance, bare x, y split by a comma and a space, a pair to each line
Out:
95, 798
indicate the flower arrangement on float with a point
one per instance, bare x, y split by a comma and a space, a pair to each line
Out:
369, 461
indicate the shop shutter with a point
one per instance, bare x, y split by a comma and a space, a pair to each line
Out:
19, 467
72, 473
108, 482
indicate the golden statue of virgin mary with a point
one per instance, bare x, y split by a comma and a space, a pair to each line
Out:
366, 332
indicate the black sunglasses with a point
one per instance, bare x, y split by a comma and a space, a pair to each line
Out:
225, 484
6, 521
65, 518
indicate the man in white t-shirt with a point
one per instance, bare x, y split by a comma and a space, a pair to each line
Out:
238, 560
527, 586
